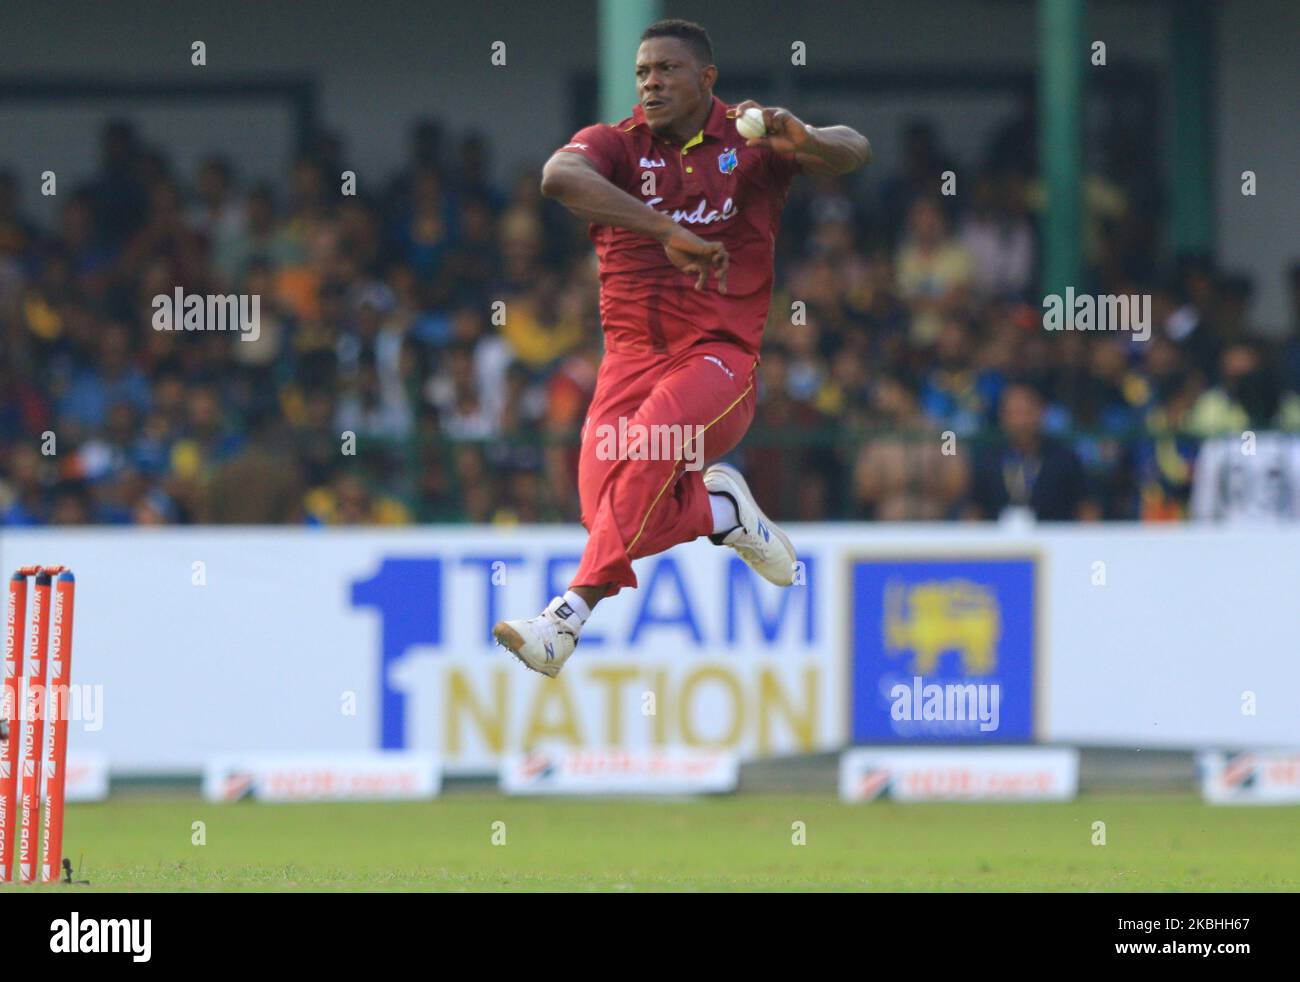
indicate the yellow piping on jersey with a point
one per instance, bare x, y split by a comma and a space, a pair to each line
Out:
672, 475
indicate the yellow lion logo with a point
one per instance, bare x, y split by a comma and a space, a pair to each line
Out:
943, 615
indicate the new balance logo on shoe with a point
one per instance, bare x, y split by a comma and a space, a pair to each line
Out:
763, 546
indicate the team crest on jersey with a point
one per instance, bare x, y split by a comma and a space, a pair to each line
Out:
727, 160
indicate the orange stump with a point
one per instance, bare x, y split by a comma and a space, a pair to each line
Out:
15, 613
33, 769
33, 728
56, 759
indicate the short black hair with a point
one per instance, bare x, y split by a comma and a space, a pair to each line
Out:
696, 37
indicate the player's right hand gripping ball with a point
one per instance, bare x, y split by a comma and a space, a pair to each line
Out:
750, 124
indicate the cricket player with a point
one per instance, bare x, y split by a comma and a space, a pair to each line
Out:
684, 214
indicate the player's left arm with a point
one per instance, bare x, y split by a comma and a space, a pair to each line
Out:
819, 149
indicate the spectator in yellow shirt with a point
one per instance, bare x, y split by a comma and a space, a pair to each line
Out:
544, 326
934, 272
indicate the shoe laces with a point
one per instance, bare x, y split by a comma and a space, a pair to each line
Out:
553, 625
751, 550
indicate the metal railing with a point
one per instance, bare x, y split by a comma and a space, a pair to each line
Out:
1119, 465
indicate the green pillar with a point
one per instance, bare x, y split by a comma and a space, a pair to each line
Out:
1062, 55
1190, 160
621, 23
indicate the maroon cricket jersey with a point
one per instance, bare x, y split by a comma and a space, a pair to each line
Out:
716, 187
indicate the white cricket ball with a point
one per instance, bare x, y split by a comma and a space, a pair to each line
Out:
750, 124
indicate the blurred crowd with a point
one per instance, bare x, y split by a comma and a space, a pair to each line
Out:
429, 344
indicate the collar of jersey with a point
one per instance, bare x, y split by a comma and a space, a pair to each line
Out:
715, 126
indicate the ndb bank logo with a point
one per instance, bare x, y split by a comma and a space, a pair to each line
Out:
943, 650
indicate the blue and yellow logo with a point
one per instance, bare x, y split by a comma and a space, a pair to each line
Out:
941, 626
727, 160
926, 619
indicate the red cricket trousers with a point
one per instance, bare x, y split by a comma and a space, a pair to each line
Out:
699, 402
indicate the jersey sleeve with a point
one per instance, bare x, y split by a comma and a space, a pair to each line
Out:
783, 167
602, 147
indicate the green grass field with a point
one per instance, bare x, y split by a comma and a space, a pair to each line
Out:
741, 842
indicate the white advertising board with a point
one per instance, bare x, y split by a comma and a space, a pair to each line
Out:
947, 774
191, 643
1259, 777
395, 776
671, 771
195, 643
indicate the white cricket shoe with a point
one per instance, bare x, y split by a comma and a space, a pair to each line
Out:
762, 545
543, 643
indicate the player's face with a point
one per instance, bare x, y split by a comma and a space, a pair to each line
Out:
671, 82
